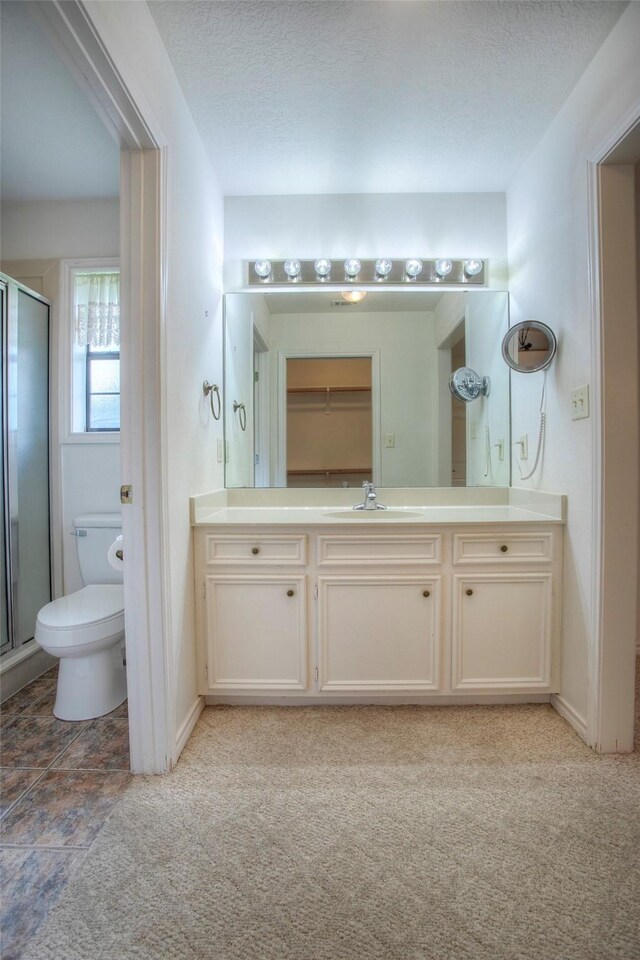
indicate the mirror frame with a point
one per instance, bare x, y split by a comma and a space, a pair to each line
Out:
527, 325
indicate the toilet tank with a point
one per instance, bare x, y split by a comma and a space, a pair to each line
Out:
95, 532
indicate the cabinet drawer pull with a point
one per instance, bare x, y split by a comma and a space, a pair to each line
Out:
504, 548
255, 551
290, 593
469, 592
426, 593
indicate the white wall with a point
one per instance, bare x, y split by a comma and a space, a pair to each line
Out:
486, 322
91, 484
366, 225
548, 233
59, 229
238, 388
193, 333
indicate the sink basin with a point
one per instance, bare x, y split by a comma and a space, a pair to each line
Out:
374, 515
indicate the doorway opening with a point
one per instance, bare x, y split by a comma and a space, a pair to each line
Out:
329, 421
458, 420
612, 660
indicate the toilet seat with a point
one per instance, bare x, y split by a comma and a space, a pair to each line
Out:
94, 613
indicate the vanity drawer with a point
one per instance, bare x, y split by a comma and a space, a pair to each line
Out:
389, 550
262, 550
478, 548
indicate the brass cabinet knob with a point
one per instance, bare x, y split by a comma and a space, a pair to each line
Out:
504, 548
426, 593
469, 592
255, 551
290, 593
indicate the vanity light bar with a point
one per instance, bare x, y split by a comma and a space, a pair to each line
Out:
375, 272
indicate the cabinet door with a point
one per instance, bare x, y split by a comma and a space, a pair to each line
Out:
256, 632
502, 632
378, 633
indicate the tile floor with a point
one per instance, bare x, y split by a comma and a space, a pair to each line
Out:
59, 782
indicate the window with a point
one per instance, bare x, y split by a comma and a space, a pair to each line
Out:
96, 351
102, 389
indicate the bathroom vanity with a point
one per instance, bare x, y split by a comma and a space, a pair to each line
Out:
441, 603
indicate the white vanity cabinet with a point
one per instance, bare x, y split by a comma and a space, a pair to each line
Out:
451, 614
253, 614
378, 612
378, 633
504, 620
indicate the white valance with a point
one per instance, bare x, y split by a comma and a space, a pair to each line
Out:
97, 310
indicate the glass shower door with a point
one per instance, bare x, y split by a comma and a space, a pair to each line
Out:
25, 464
5, 630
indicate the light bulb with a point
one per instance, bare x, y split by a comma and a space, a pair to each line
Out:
413, 268
443, 267
352, 267
262, 268
322, 267
353, 296
292, 268
473, 267
384, 267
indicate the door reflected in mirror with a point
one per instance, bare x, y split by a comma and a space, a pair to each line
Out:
329, 427
336, 394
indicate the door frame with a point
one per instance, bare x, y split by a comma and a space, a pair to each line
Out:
611, 656
143, 258
261, 412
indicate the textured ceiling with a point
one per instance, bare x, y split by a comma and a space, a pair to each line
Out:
376, 96
54, 146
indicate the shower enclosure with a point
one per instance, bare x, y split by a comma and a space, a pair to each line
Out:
25, 555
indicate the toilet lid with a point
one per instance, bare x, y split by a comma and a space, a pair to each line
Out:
92, 604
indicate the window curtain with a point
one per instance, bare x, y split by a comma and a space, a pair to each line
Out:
97, 310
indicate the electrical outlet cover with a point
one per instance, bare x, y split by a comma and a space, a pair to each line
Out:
580, 403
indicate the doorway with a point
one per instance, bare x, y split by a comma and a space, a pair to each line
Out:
329, 425
142, 255
458, 421
614, 179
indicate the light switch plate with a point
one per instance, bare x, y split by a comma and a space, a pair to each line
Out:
389, 439
580, 403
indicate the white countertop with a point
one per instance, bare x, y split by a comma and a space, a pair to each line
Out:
346, 517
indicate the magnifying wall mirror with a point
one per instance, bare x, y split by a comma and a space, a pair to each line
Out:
529, 346
335, 393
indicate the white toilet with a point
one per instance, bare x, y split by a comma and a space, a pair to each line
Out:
86, 628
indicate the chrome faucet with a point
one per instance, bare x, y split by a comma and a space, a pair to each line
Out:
370, 500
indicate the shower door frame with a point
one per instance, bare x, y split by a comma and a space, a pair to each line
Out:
9, 330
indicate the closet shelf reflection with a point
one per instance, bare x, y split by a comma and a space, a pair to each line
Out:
345, 389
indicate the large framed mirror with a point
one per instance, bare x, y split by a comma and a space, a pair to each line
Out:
320, 392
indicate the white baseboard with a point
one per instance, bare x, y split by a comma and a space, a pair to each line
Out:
371, 700
19, 667
186, 728
567, 712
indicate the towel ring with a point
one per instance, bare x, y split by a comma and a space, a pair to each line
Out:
242, 414
209, 389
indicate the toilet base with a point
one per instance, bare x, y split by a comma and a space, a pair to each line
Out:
90, 686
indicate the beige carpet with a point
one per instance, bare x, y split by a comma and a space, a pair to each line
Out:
366, 833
